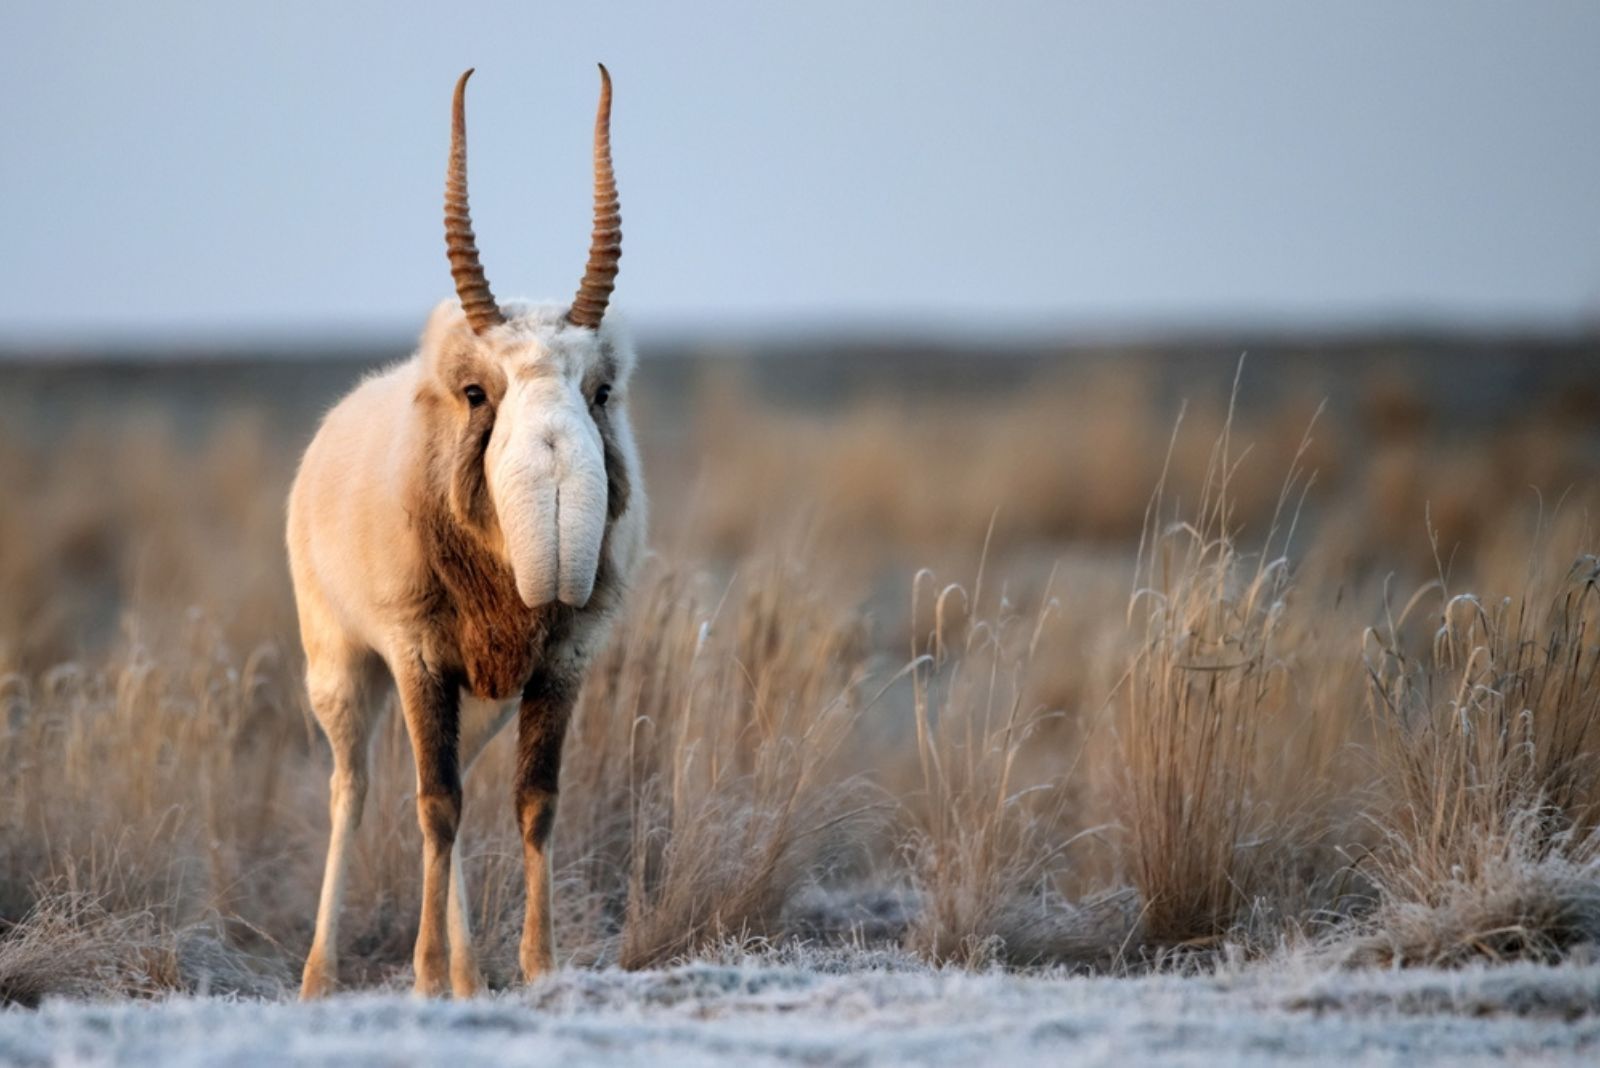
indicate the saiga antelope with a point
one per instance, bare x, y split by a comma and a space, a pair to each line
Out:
464, 524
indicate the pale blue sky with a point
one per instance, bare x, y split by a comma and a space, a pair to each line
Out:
203, 168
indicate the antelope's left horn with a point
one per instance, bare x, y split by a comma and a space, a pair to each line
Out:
605, 246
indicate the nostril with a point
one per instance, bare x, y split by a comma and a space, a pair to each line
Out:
550, 442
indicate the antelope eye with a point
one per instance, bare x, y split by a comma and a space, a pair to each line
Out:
602, 395
475, 395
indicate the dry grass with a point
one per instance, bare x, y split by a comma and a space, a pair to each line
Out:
797, 733
730, 706
1208, 674
988, 834
1487, 743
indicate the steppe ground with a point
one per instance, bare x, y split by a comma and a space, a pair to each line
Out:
977, 704
857, 1011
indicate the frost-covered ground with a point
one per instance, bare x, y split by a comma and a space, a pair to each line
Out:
772, 1013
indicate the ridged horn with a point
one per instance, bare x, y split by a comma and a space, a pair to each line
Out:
605, 246
460, 244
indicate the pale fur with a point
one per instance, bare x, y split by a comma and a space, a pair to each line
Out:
360, 563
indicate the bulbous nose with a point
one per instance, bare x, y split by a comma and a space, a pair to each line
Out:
550, 489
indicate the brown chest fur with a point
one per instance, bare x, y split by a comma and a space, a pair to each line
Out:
478, 624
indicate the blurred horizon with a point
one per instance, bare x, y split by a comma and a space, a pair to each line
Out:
856, 338
182, 174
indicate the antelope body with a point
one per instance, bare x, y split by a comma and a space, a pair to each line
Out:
464, 525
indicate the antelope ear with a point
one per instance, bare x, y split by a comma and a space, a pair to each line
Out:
446, 337
446, 323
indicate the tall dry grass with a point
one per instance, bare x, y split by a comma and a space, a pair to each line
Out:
988, 831
1488, 738
1208, 675
730, 705
796, 733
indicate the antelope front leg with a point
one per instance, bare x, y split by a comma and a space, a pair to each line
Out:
541, 728
432, 712
480, 721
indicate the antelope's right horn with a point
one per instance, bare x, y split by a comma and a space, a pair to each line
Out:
460, 244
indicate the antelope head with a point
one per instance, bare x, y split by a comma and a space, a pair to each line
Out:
526, 404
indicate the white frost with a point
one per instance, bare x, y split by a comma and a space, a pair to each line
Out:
767, 1012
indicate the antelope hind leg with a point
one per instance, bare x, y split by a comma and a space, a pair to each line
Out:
341, 700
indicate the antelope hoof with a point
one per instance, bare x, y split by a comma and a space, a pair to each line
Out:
537, 962
432, 978
318, 980
465, 981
